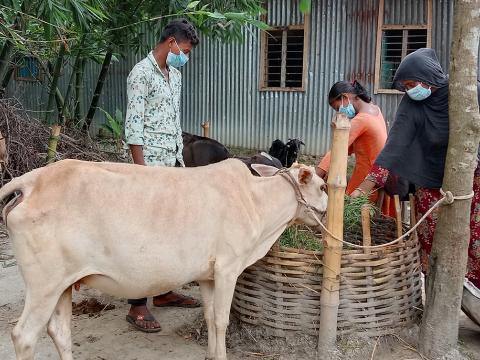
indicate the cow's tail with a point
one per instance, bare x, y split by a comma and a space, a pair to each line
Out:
15, 191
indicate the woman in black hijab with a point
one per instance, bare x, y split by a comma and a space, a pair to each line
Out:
416, 149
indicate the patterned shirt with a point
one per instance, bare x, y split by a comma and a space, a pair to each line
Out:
153, 113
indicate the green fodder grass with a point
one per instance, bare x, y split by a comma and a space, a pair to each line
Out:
300, 237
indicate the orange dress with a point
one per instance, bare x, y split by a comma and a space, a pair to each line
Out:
368, 134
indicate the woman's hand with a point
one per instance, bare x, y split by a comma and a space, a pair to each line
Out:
363, 189
356, 193
320, 172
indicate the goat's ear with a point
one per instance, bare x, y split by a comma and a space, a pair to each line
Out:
264, 170
305, 175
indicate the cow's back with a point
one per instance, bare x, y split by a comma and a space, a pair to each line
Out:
108, 218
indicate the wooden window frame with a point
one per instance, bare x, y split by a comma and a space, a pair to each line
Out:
263, 56
381, 27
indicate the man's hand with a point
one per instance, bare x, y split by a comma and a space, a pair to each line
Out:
137, 154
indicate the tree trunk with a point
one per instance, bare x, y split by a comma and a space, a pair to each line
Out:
98, 89
53, 85
448, 259
78, 106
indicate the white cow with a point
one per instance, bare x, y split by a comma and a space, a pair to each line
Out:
135, 231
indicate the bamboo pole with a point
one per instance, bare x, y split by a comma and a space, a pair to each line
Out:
52, 144
206, 129
367, 241
337, 182
398, 214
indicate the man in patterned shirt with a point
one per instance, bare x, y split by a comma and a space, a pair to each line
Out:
153, 132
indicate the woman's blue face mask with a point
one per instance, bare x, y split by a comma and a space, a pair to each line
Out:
176, 60
419, 93
348, 110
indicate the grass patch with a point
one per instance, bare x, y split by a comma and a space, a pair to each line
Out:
299, 237
352, 213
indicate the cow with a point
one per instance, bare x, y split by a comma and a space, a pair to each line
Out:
286, 153
134, 231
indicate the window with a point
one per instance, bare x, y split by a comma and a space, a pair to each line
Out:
28, 69
284, 58
395, 41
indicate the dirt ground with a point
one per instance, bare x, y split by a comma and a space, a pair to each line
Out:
107, 336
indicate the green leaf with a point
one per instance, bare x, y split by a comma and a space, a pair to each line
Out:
305, 6
260, 24
216, 15
193, 5
236, 16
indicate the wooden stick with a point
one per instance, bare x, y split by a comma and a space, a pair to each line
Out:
206, 129
398, 211
367, 241
413, 219
337, 181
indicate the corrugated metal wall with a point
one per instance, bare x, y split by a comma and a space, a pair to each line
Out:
221, 80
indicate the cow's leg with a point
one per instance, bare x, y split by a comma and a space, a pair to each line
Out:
59, 326
224, 288
39, 305
207, 289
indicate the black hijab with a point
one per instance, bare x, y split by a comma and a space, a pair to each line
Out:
417, 143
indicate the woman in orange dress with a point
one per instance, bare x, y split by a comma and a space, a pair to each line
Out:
368, 134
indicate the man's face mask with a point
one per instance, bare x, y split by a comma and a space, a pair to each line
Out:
419, 93
348, 110
176, 60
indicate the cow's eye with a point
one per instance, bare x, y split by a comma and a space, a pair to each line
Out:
323, 187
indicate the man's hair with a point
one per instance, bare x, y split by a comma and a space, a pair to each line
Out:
182, 30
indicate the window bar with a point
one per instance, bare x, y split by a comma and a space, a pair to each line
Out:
284, 59
404, 43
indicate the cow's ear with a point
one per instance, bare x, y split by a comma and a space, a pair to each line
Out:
305, 175
264, 170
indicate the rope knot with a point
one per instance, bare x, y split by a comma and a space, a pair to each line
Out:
448, 196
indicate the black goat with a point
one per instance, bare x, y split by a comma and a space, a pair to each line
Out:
201, 151
286, 153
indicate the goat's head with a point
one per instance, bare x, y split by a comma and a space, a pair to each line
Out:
293, 148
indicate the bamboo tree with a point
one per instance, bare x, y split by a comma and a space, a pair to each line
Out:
448, 258
78, 101
53, 84
5, 56
76, 65
98, 89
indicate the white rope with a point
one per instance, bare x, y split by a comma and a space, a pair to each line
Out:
447, 198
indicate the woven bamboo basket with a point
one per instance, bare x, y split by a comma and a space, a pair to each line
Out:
380, 289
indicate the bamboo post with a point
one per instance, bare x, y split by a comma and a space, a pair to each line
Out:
413, 219
337, 182
398, 214
398, 211
367, 241
52, 144
206, 129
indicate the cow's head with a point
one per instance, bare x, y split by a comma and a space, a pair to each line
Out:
311, 186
